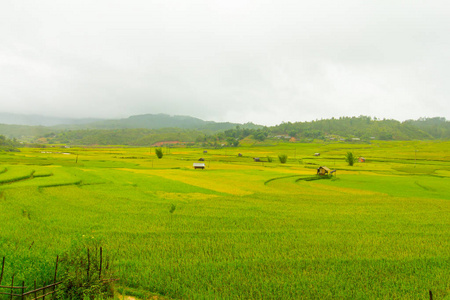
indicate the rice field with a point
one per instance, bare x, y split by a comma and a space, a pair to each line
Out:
239, 229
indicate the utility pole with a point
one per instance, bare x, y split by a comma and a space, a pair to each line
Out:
415, 157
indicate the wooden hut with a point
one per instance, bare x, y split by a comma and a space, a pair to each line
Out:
199, 165
323, 170
256, 159
316, 154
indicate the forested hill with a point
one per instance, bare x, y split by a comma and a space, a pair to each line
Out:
438, 128
157, 121
366, 128
147, 130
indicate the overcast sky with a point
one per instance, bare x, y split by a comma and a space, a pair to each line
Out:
227, 60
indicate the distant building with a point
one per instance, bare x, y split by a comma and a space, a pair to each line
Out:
199, 165
256, 159
317, 154
284, 136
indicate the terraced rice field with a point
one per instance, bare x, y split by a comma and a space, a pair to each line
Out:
238, 229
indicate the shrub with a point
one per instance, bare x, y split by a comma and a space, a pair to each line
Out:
282, 158
350, 158
269, 159
159, 152
83, 273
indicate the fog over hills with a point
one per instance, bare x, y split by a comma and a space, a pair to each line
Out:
149, 128
146, 121
39, 120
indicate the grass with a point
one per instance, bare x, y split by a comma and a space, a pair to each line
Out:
239, 229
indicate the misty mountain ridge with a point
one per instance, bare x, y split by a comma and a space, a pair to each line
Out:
39, 120
145, 121
149, 128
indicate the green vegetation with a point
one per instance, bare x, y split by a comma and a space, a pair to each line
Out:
282, 158
8, 145
238, 229
147, 130
159, 152
350, 159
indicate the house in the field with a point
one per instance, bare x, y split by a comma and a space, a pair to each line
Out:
256, 159
199, 165
317, 154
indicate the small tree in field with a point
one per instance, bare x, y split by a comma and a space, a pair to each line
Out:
159, 152
350, 158
282, 158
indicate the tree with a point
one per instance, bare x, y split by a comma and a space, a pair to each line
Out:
282, 158
350, 158
159, 152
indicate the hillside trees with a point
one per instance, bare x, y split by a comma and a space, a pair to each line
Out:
365, 128
8, 144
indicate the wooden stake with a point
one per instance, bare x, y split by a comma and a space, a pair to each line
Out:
89, 264
35, 293
43, 292
3, 268
12, 286
54, 278
101, 261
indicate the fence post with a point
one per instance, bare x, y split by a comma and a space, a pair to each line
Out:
431, 295
54, 278
89, 264
101, 260
12, 285
35, 288
23, 289
43, 291
3, 267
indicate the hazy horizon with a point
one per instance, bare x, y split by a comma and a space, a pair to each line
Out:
174, 115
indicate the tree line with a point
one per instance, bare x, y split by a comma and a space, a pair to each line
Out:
361, 128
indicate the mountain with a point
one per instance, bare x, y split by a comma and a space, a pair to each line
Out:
149, 128
25, 127
157, 121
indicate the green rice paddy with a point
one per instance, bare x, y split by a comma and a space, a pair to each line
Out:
238, 229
